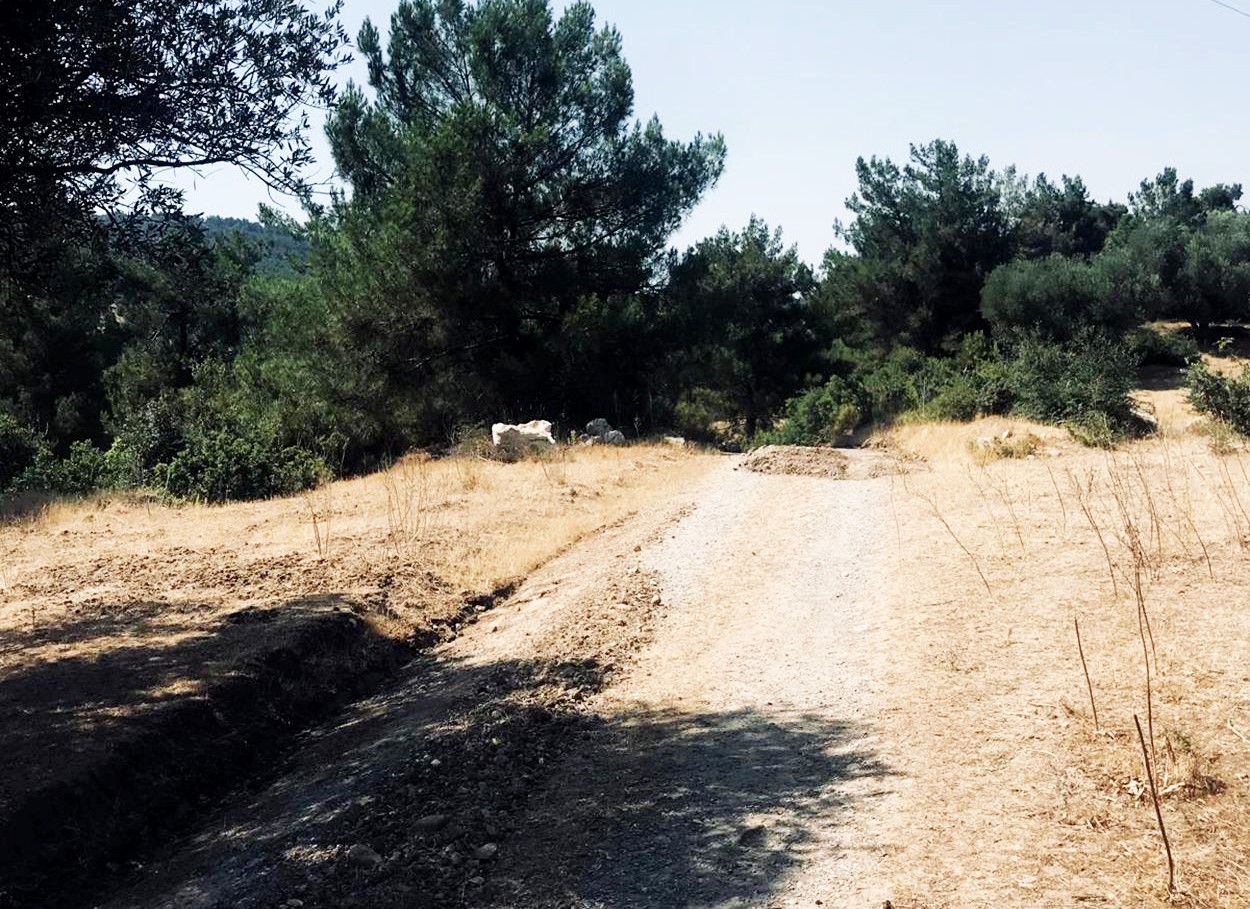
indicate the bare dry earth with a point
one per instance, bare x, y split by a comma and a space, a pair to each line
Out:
744, 762
154, 657
786, 688
678, 712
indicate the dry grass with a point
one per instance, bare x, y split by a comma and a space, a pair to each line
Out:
1145, 546
471, 523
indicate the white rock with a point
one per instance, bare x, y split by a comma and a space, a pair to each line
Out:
516, 439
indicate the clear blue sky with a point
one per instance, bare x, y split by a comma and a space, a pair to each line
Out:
1112, 90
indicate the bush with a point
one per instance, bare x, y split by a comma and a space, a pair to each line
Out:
819, 416
19, 447
85, 469
972, 382
1084, 384
697, 413
957, 400
1151, 347
221, 466
1226, 399
1043, 296
122, 467
154, 433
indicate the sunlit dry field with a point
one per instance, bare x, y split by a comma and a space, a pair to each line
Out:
1011, 539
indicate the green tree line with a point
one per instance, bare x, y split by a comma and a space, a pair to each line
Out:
499, 249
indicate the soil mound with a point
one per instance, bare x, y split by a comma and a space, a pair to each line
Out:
828, 463
792, 460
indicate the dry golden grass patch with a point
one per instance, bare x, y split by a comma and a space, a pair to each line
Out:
1020, 798
470, 523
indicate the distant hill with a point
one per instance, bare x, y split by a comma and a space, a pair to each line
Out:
279, 250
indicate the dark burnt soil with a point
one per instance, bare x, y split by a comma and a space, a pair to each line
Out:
109, 752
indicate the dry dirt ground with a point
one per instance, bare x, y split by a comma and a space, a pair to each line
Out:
679, 712
152, 657
837, 679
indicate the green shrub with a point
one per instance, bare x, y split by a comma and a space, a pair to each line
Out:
904, 381
697, 413
1151, 347
155, 433
1054, 298
957, 400
1227, 399
122, 467
819, 416
19, 447
222, 466
85, 469
1084, 384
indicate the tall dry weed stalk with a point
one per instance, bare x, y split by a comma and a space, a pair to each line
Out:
1085, 666
1231, 501
1063, 509
469, 468
411, 498
554, 467
1003, 490
320, 505
995, 523
1154, 795
1184, 506
937, 513
1125, 494
1084, 499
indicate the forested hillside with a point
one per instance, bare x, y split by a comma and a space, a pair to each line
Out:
500, 249
280, 252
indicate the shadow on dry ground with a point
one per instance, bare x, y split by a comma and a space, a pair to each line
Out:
491, 785
109, 747
676, 809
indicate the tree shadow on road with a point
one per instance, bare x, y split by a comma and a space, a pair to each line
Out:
490, 784
677, 809
125, 725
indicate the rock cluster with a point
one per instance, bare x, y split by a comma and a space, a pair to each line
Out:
600, 432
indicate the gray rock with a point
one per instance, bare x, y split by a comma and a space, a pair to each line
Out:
598, 428
614, 437
363, 856
485, 852
431, 822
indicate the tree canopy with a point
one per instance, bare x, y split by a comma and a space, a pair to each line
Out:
497, 183
499, 248
925, 237
101, 95
754, 334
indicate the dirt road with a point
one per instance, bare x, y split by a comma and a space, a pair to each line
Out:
740, 763
682, 711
